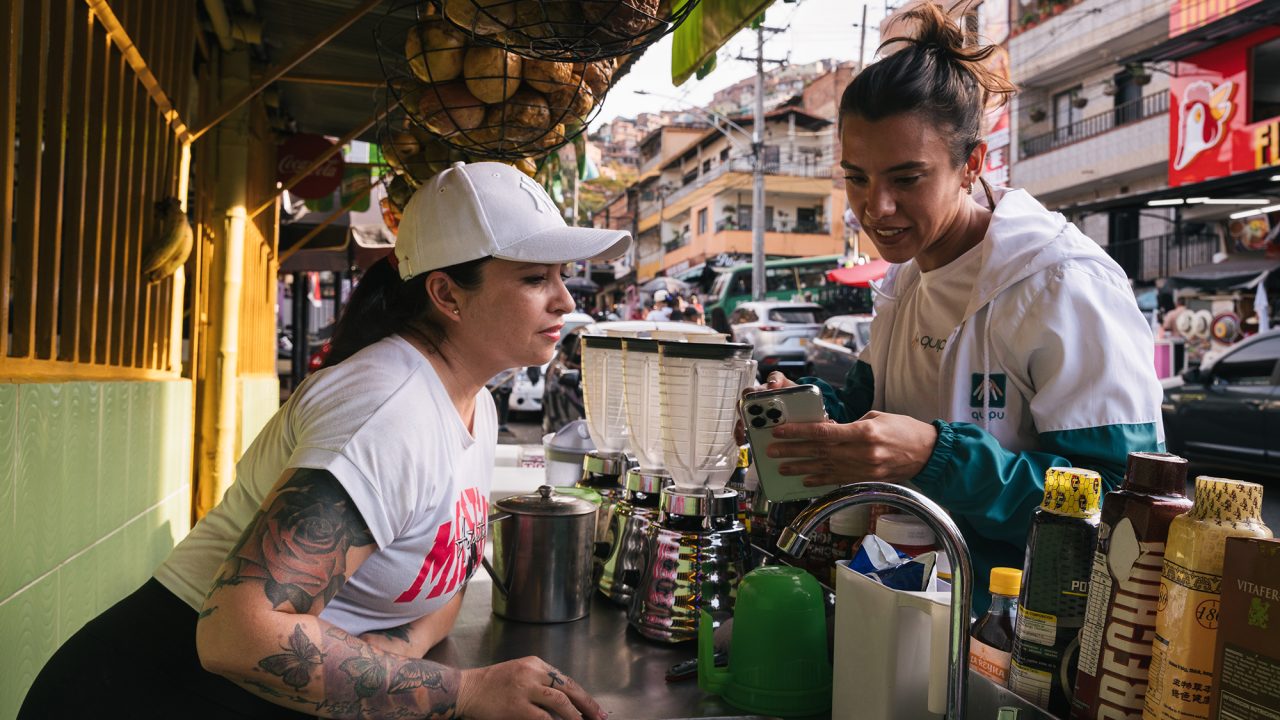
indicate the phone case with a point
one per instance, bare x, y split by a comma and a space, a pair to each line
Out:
764, 410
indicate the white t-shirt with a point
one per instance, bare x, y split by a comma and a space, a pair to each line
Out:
658, 315
927, 316
383, 424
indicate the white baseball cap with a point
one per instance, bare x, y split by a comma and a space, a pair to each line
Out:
470, 211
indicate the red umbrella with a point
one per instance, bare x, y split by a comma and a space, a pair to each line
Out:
859, 275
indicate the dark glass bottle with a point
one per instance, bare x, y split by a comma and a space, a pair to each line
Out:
992, 641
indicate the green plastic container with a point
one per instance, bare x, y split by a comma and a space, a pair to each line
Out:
778, 660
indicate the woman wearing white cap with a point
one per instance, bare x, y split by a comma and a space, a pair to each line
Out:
337, 559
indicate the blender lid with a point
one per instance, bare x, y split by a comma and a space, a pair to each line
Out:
640, 345
574, 437
602, 342
545, 502
706, 351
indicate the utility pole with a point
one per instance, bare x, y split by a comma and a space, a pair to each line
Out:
862, 40
757, 163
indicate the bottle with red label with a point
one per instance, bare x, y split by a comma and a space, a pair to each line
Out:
992, 636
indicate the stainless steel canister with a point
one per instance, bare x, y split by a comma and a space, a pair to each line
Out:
542, 552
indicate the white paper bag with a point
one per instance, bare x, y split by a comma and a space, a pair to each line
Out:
890, 651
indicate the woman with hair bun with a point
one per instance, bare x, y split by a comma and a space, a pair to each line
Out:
1005, 341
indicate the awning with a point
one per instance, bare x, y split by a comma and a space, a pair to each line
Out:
707, 28
1238, 272
1206, 37
859, 275
1256, 182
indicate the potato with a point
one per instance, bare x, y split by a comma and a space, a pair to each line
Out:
553, 138
597, 76
435, 51
547, 76
522, 119
398, 148
622, 19
492, 74
447, 108
482, 17
399, 191
571, 104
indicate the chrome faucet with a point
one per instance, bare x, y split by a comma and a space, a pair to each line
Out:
794, 541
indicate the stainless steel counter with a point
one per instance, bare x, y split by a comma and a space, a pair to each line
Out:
622, 670
625, 672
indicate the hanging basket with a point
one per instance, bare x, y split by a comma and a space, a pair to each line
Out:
485, 101
567, 30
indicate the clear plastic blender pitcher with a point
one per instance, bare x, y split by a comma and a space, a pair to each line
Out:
602, 392
700, 385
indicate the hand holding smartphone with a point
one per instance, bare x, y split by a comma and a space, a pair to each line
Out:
764, 410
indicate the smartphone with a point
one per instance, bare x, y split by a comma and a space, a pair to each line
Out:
764, 410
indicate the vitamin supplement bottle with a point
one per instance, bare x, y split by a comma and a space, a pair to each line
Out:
1055, 589
1180, 684
1120, 620
992, 641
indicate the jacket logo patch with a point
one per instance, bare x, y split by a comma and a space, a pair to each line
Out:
988, 387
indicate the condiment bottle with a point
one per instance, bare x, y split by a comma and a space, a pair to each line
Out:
1181, 676
992, 641
1120, 620
1055, 588
906, 533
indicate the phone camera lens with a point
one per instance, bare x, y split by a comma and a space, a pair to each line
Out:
774, 413
757, 422
754, 409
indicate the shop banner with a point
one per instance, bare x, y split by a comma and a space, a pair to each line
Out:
1187, 15
300, 150
1211, 133
993, 18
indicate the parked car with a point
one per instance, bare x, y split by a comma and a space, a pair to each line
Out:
529, 385
1228, 414
832, 353
780, 332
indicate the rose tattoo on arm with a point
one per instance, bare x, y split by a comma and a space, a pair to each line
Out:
298, 545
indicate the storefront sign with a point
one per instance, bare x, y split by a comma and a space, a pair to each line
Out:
1211, 133
300, 150
993, 16
1187, 15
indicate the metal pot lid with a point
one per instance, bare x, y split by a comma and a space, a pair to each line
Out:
546, 502
573, 437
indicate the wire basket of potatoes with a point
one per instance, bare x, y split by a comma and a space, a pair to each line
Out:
413, 156
486, 101
567, 30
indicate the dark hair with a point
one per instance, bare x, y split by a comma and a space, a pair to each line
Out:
382, 304
935, 75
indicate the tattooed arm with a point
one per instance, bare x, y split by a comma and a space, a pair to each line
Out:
259, 626
415, 639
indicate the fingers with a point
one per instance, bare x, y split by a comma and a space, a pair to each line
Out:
777, 380
823, 431
568, 699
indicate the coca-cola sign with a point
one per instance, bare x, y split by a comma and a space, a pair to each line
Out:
296, 153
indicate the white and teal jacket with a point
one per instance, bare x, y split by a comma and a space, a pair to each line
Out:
1052, 364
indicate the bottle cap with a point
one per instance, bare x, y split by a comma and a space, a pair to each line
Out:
1156, 474
851, 521
1225, 499
744, 456
904, 530
1006, 581
1073, 492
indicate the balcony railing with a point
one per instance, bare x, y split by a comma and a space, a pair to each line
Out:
1162, 255
806, 228
817, 167
1119, 116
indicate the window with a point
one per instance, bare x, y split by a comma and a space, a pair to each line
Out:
812, 276
702, 221
1264, 90
742, 315
779, 279
706, 166
797, 316
864, 334
724, 155
1064, 113
827, 332
1250, 365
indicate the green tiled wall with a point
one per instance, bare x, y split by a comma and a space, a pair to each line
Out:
94, 491
259, 400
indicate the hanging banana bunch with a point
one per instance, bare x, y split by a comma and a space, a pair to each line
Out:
169, 248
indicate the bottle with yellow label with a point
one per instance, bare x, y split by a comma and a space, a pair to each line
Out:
1180, 686
1055, 589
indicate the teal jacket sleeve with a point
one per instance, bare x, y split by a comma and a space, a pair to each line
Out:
997, 490
854, 399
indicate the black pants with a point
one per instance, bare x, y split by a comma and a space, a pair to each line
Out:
138, 660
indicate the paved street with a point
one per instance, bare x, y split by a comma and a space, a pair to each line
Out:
528, 431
